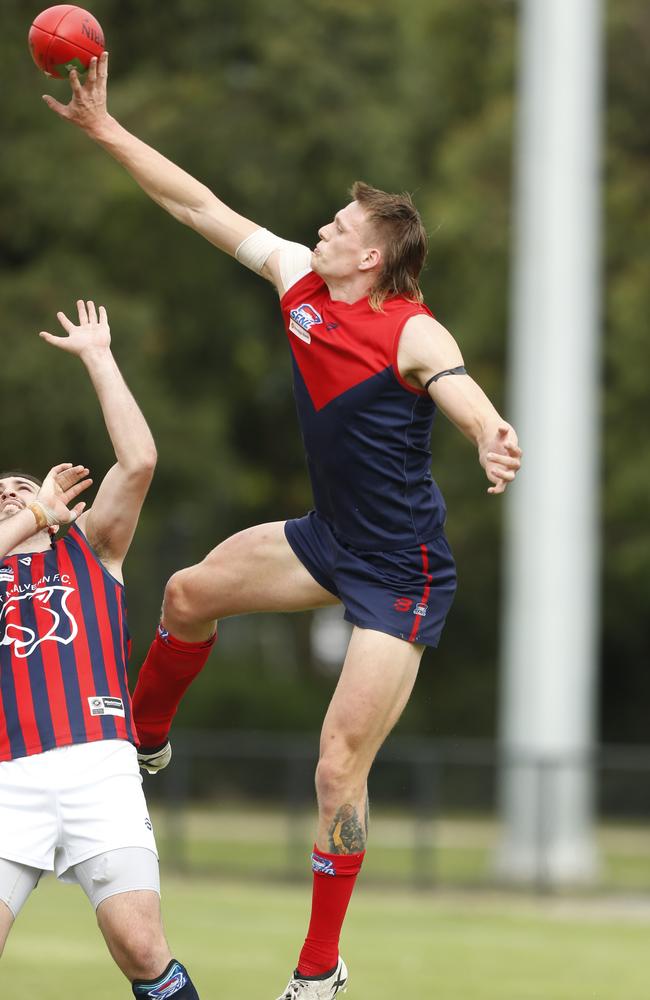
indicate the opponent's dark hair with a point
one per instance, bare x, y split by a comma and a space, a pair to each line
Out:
404, 242
19, 474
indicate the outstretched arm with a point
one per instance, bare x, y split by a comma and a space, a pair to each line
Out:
180, 194
112, 519
426, 349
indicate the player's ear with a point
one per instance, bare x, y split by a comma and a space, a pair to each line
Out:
371, 259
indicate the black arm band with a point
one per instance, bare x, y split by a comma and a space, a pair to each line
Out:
448, 371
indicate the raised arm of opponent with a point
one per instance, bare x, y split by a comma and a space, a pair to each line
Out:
111, 521
180, 194
429, 357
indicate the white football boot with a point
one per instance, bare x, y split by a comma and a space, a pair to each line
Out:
154, 760
317, 989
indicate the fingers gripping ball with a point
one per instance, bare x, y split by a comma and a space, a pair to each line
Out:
65, 37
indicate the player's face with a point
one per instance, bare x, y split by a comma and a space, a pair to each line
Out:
343, 243
15, 494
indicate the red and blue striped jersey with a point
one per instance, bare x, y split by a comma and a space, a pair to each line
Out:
366, 431
64, 645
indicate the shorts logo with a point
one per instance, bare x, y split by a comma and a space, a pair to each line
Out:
147, 823
403, 604
322, 866
102, 705
421, 609
173, 982
302, 319
6, 574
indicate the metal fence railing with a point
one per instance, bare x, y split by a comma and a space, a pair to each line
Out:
242, 804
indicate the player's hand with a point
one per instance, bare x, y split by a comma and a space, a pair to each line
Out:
500, 456
91, 336
87, 107
61, 486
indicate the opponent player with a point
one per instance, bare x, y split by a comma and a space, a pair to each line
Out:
70, 788
370, 367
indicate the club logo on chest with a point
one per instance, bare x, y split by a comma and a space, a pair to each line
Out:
302, 319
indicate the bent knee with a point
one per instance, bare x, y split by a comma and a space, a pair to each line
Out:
181, 597
203, 592
340, 774
142, 951
141, 954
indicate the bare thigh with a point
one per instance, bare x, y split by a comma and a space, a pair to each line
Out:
375, 684
254, 570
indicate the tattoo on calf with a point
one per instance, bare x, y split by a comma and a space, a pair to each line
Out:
346, 833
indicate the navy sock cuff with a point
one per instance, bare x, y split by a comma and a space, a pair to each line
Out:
173, 984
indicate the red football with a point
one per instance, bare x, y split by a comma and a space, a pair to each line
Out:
65, 37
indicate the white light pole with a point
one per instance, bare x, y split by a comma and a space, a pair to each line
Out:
550, 629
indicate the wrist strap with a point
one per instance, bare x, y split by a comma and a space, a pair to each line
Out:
43, 517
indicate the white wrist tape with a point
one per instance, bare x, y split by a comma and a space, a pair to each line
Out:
43, 516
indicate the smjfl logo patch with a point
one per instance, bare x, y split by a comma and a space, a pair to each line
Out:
302, 319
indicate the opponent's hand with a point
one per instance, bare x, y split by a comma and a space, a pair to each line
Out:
500, 456
61, 486
87, 107
91, 336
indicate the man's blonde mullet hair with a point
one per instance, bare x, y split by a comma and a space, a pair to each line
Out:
398, 226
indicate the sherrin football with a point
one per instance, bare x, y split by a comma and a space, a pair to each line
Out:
65, 37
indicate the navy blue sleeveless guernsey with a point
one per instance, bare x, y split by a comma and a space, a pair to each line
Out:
366, 431
63, 650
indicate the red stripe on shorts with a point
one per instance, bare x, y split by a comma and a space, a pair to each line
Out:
425, 592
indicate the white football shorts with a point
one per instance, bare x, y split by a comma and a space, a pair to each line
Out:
64, 806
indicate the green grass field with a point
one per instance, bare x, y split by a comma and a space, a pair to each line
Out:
240, 941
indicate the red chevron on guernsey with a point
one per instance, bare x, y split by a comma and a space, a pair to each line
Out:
319, 335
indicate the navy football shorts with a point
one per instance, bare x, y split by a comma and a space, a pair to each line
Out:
406, 593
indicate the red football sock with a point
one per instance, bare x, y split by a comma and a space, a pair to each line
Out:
334, 879
169, 668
